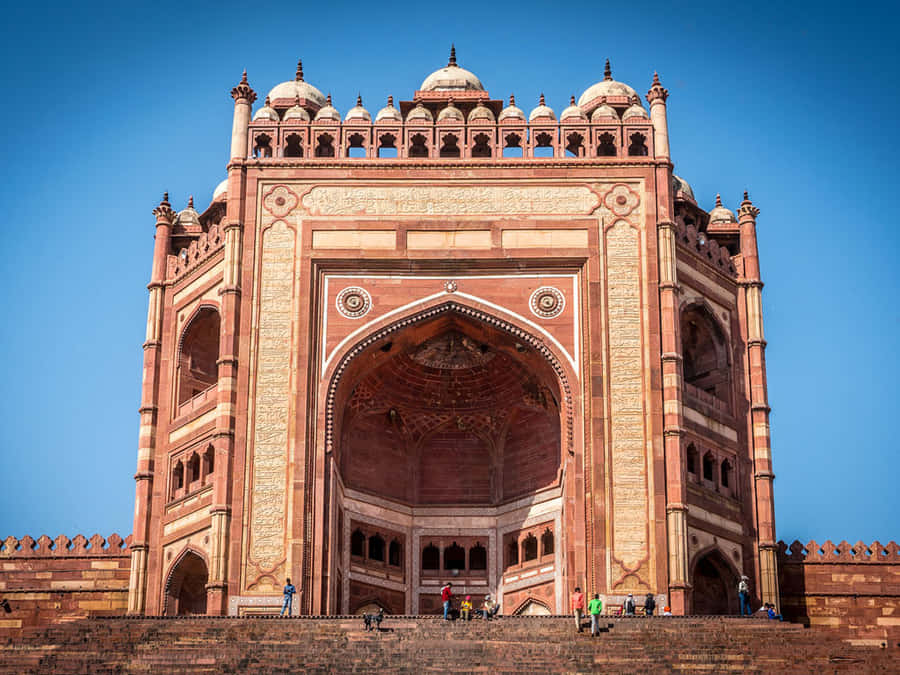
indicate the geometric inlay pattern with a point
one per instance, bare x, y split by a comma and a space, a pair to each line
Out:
547, 302
354, 302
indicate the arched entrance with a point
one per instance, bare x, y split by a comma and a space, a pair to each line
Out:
715, 585
186, 588
445, 431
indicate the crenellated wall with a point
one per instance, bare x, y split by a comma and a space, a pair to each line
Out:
53, 580
851, 588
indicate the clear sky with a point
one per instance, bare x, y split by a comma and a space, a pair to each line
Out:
108, 105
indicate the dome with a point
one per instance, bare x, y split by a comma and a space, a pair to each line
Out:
296, 113
511, 111
267, 112
481, 113
452, 78
451, 113
357, 113
389, 113
328, 113
634, 111
573, 113
420, 114
542, 110
221, 191
188, 218
297, 88
603, 112
719, 214
607, 87
681, 185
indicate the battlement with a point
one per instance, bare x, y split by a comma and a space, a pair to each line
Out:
63, 547
199, 251
828, 552
706, 248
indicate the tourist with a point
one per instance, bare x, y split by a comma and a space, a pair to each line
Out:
446, 597
465, 608
649, 604
629, 605
770, 612
289, 591
744, 595
489, 608
578, 607
595, 607
667, 611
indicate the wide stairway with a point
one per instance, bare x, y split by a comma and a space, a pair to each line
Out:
430, 645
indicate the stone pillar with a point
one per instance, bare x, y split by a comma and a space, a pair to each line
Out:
137, 585
759, 407
656, 97
243, 97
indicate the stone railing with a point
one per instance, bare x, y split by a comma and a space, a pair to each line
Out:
62, 546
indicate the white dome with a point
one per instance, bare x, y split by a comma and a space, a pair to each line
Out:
512, 111
188, 217
389, 113
420, 114
296, 112
681, 185
452, 113
357, 113
290, 91
604, 111
266, 113
452, 78
719, 214
573, 113
542, 110
328, 113
634, 111
221, 191
481, 113
607, 87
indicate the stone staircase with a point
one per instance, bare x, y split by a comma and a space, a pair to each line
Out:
430, 645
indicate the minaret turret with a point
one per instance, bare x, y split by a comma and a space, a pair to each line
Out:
656, 97
243, 97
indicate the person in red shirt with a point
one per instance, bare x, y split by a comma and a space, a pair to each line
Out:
578, 607
446, 597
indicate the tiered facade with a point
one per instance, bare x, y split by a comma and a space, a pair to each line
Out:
453, 342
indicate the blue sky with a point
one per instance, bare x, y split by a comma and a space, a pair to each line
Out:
111, 104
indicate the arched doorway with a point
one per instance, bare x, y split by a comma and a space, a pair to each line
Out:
715, 585
452, 425
186, 588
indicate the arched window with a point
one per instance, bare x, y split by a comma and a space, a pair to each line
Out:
478, 557
607, 146
418, 146
197, 369
482, 147
454, 557
547, 542
376, 548
638, 146
704, 357
177, 477
512, 146
575, 145
512, 552
709, 467
692, 459
263, 146
431, 558
394, 551
356, 146
193, 468
543, 145
530, 548
726, 474
209, 463
325, 146
358, 543
293, 146
450, 146
387, 146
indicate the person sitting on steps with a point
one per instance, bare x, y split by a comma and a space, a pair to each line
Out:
489, 608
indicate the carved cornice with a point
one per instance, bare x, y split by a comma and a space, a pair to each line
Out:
671, 356
442, 164
764, 475
230, 290
761, 406
143, 475
156, 344
673, 431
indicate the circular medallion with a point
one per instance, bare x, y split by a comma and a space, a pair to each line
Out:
353, 302
450, 286
547, 302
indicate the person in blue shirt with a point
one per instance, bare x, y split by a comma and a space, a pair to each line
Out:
289, 591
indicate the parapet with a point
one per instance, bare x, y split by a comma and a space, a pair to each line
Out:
829, 552
707, 248
63, 547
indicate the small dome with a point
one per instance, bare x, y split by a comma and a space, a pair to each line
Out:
634, 111
604, 112
542, 111
481, 113
573, 113
328, 113
296, 113
188, 218
451, 113
420, 114
389, 113
681, 185
221, 191
511, 111
297, 88
357, 113
266, 113
719, 214
452, 78
606, 87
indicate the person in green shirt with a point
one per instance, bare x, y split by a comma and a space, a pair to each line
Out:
594, 608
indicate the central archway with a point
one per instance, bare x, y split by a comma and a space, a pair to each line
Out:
444, 430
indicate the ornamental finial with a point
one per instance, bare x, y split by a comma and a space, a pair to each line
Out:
655, 78
328, 99
191, 202
452, 61
164, 212
541, 100
390, 101
512, 99
299, 76
165, 200
243, 92
746, 196
657, 91
747, 210
718, 200
268, 102
359, 100
607, 71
